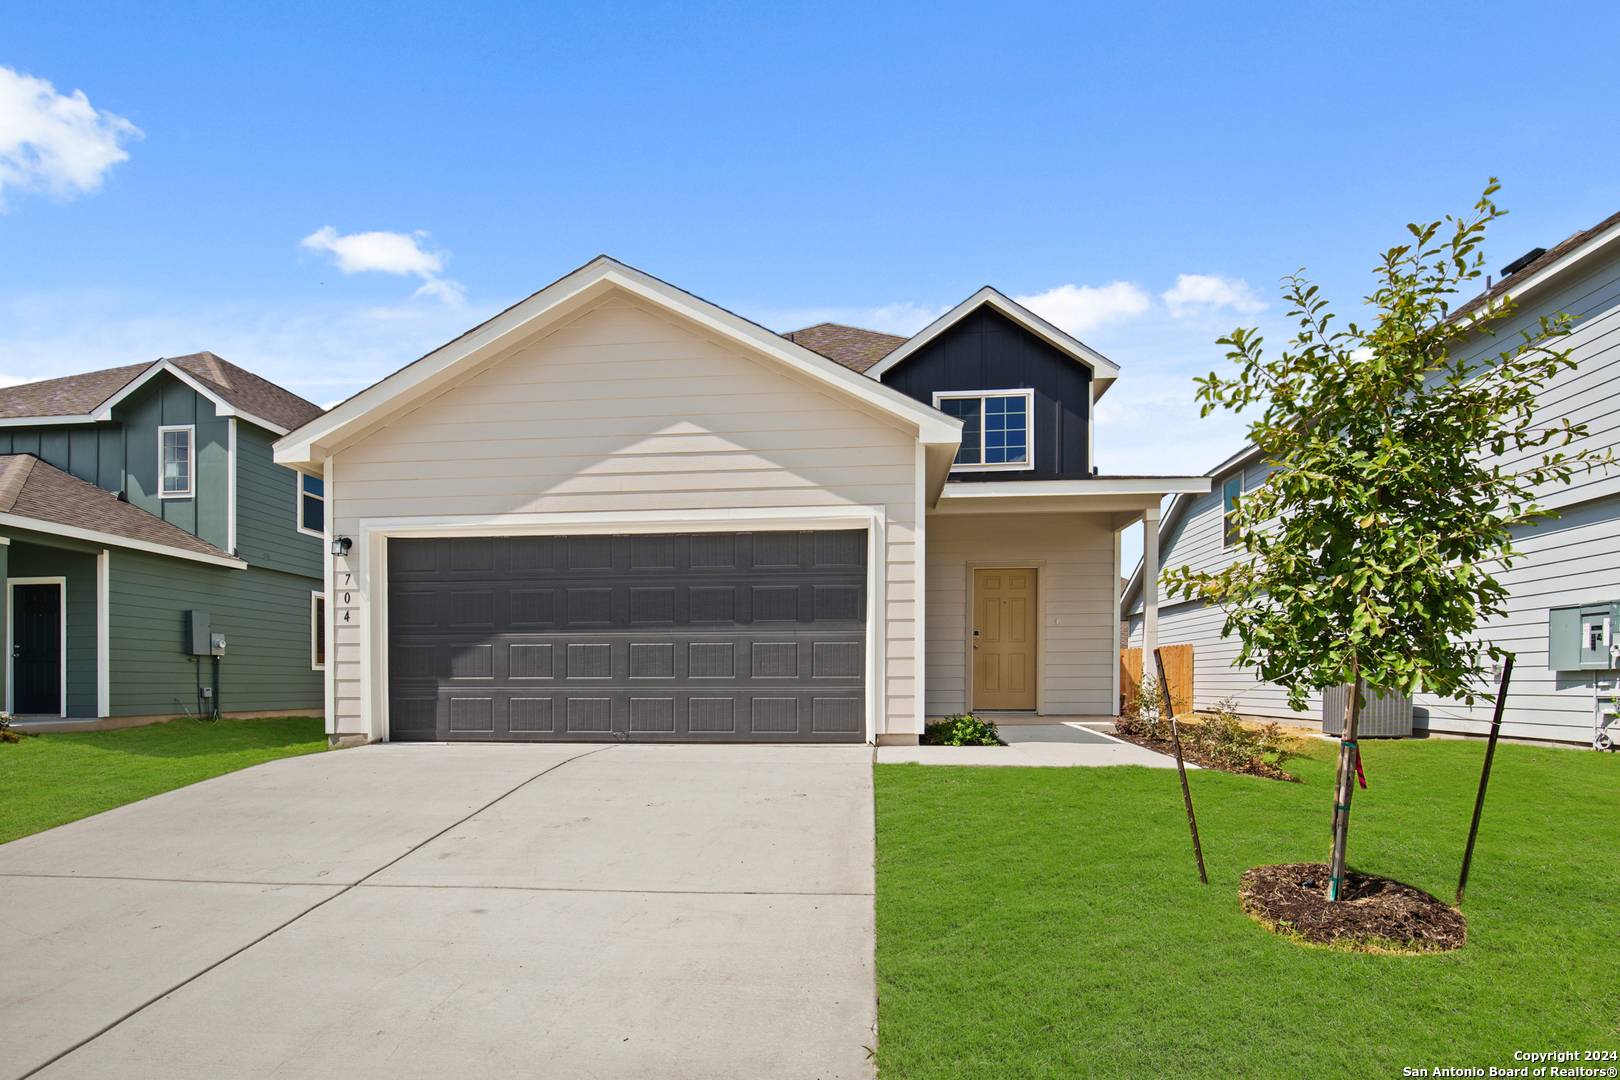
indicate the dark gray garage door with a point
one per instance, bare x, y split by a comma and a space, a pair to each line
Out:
701, 637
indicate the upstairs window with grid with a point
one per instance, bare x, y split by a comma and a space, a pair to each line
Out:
174, 447
997, 428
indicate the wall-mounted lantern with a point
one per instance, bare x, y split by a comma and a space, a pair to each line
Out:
341, 545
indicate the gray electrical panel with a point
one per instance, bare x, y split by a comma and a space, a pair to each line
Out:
1584, 637
198, 641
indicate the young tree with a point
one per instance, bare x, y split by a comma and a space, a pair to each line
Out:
1399, 470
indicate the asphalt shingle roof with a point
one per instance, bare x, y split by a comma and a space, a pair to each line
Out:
1523, 274
851, 346
77, 395
32, 488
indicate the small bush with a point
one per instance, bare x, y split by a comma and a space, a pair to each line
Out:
1221, 739
961, 729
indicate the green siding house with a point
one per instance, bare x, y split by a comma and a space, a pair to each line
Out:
131, 499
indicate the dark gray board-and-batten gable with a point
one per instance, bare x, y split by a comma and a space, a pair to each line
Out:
988, 351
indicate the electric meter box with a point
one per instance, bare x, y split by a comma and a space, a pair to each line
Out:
197, 636
1584, 637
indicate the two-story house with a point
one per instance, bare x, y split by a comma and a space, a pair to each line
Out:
131, 498
1567, 567
618, 511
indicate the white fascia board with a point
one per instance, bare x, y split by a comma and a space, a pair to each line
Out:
36, 421
1134, 485
1245, 456
1103, 370
529, 319
73, 532
1592, 247
221, 406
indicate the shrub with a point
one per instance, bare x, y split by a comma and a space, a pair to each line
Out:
1224, 740
961, 729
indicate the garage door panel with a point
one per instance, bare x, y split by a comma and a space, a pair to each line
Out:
731, 636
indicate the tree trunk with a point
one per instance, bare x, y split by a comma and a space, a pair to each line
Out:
1346, 785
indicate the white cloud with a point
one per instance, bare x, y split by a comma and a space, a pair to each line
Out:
1079, 308
1197, 295
55, 143
389, 252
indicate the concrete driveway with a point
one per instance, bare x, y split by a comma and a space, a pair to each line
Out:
456, 911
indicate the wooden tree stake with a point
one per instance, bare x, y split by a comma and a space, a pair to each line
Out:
1485, 776
1181, 766
1349, 749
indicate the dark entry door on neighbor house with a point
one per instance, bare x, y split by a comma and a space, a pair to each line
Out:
679, 637
1004, 638
36, 649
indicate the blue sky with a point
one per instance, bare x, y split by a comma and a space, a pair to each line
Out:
1145, 171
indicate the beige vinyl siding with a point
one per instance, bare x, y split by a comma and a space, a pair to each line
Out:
622, 410
1078, 578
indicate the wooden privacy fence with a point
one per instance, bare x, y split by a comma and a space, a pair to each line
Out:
1178, 670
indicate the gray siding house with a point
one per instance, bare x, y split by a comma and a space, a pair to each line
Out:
131, 496
1566, 561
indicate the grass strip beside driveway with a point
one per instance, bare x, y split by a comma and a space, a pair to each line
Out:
1050, 923
57, 778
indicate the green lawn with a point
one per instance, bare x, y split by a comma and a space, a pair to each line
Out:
54, 779
1050, 923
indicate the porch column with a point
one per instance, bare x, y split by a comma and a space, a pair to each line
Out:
1150, 587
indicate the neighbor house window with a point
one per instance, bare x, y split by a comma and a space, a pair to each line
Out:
311, 505
317, 631
1229, 494
998, 427
177, 461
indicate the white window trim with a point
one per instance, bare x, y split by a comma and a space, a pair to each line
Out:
317, 616
191, 461
298, 505
1029, 428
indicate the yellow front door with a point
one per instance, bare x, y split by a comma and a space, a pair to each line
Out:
1004, 639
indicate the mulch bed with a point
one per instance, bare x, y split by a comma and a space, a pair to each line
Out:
1255, 768
1377, 915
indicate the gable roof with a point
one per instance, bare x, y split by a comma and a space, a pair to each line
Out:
571, 295
91, 396
1103, 370
38, 495
851, 346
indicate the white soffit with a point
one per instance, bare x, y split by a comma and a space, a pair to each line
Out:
531, 318
1103, 370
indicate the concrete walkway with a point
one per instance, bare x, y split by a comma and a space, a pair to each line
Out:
456, 911
1035, 744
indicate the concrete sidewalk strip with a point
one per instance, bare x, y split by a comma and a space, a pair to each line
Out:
80, 954
1036, 745
322, 819
404, 983
757, 823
